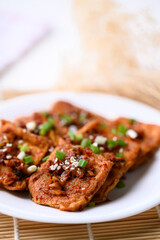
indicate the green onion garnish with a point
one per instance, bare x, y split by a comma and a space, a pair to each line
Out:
44, 114
95, 149
47, 126
122, 129
111, 143
114, 131
102, 125
45, 158
66, 119
82, 117
119, 155
91, 204
60, 154
79, 137
131, 120
23, 148
71, 135
121, 142
86, 142
120, 184
82, 163
51, 121
28, 159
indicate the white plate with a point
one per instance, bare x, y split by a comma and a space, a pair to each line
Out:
142, 186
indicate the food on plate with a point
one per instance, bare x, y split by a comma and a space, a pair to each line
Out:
70, 177
69, 157
20, 153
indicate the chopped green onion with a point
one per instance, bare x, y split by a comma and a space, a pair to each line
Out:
23, 148
44, 114
79, 137
91, 204
86, 142
82, 163
120, 184
95, 149
132, 120
71, 135
47, 126
51, 121
45, 158
82, 117
119, 155
60, 154
102, 125
66, 119
114, 131
28, 159
122, 129
111, 143
121, 142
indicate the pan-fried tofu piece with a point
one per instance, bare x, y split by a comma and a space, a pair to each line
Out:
20, 153
69, 178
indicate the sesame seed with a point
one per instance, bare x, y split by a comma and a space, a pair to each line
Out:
24, 130
75, 164
90, 136
101, 148
72, 168
31, 126
66, 162
56, 160
131, 133
100, 140
114, 138
51, 149
121, 150
72, 159
9, 145
59, 167
21, 155
8, 156
95, 144
5, 137
73, 128
32, 169
20, 141
3, 150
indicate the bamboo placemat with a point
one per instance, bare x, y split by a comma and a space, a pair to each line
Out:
139, 227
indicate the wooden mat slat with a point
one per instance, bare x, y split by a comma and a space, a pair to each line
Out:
140, 227
6, 227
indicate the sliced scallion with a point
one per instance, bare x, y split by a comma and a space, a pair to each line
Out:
45, 158
28, 159
111, 143
95, 149
60, 154
82, 163
120, 184
66, 119
121, 142
71, 135
122, 129
46, 126
23, 148
119, 155
86, 142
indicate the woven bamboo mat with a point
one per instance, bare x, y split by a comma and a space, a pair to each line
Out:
145, 226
